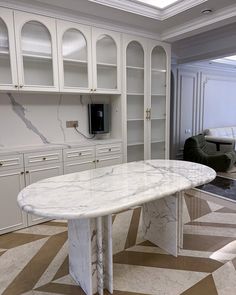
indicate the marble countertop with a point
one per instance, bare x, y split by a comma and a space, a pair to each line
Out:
54, 146
107, 190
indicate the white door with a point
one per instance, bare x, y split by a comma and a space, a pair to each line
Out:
11, 216
8, 68
158, 101
135, 99
36, 47
106, 56
34, 174
74, 57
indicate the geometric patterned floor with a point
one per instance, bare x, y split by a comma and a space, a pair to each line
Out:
34, 261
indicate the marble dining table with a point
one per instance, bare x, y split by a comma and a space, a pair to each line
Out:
88, 199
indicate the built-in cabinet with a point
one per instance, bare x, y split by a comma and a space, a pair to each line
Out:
39, 53
20, 170
146, 97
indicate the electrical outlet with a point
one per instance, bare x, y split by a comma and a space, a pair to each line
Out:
72, 124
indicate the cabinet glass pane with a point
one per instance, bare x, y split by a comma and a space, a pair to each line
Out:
158, 103
74, 51
135, 101
5, 65
106, 51
36, 48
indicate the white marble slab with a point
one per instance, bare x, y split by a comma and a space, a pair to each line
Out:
103, 191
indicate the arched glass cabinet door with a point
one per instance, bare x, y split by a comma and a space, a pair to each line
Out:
106, 50
135, 101
158, 102
5, 64
36, 45
8, 69
75, 59
36, 48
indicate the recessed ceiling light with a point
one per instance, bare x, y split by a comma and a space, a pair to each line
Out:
158, 3
206, 11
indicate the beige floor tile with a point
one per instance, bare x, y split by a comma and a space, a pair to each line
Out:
225, 279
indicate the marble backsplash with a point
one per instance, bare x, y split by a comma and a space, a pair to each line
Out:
36, 119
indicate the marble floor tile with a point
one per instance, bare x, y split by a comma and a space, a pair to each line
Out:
154, 281
226, 232
214, 217
43, 230
225, 279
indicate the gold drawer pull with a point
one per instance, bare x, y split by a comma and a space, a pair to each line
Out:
109, 149
44, 158
1, 164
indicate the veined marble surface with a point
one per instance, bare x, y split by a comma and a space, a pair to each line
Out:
107, 190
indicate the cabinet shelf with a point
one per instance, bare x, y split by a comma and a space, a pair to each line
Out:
135, 68
4, 52
136, 119
158, 94
102, 64
159, 70
75, 61
158, 118
135, 143
37, 57
135, 94
157, 141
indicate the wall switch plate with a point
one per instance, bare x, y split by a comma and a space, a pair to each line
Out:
72, 124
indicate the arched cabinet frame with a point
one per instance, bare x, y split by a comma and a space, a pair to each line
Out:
7, 18
62, 28
96, 33
22, 19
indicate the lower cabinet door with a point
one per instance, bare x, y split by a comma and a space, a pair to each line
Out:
109, 161
11, 216
77, 166
34, 174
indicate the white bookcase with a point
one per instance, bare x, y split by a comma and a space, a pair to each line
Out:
146, 99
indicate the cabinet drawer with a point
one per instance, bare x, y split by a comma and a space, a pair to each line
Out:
109, 161
79, 165
11, 162
32, 159
79, 154
108, 149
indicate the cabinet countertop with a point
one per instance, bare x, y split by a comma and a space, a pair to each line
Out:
4, 151
103, 191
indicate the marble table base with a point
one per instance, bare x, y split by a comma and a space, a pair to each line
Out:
90, 254
90, 242
162, 223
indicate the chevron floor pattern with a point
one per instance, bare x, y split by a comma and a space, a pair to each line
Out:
34, 261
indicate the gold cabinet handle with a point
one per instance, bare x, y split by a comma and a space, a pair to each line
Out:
1, 164
109, 149
16, 86
44, 158
97, 161
22, 173
21, 86
27, 172
80, 154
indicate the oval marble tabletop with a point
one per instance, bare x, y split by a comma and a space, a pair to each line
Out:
107, 190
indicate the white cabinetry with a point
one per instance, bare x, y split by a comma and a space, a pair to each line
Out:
85, 158
8, 67
146, 97
36, 49
11, 183
89, 59
40, 166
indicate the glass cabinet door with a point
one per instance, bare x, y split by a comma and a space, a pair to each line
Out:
36, 49
106, 61
75, 59
8, 68
36, 46
157, 113
5, 64
135, 101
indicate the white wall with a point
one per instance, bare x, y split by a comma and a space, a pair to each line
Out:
34, 119
203, 98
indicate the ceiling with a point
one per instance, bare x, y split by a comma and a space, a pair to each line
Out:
180, 20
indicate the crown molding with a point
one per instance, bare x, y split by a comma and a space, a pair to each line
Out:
79, 18
213, 21
149, 11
